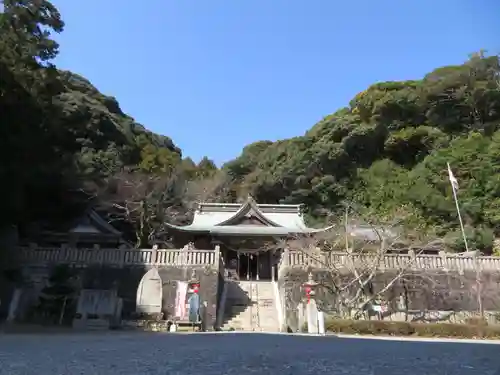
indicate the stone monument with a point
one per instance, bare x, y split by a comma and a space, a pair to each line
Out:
97, 309
149, 293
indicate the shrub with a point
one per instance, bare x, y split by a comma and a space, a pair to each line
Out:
446, 330
380, 327
476, 321
370, 327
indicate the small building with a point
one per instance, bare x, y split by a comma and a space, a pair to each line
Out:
248, 234
87, 231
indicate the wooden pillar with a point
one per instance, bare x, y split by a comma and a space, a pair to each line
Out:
248, 267
258, 267
272, 265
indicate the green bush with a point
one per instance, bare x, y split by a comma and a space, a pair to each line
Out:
476, 321
370, 327
380, 327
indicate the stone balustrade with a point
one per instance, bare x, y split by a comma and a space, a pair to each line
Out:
120, 257
195, 257
445, 261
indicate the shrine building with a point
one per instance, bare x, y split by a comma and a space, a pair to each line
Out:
247, 233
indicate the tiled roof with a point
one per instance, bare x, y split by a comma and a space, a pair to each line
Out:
220, 218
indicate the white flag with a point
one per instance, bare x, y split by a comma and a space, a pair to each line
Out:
453, 180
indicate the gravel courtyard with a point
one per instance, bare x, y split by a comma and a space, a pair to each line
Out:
237, 354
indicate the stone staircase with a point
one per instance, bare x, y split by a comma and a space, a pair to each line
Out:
251, 306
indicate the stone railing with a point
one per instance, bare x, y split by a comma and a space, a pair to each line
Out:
445, 261
195, 257
120, 257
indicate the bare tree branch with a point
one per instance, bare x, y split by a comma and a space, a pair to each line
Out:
350, 271
147, 202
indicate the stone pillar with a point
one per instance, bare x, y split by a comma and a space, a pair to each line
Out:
14, 304
413, 259
312, 317
204, 316
96, 254
64, 253
72, 240
321, 323
301, 317
283, 262
154, 255
217, 255
444, 260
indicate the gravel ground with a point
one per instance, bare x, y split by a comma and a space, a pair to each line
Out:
128, 353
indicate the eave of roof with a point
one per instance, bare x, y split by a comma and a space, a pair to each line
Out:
250, 230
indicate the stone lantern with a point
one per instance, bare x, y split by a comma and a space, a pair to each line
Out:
309, 287
315, 318
194, 283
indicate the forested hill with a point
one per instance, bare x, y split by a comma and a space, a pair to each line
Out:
387, 153
55, 127
106, 137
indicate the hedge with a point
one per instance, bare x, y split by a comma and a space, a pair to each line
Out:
471, 330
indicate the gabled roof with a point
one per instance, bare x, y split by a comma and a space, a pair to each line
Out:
92, 223
369, 233
223, 218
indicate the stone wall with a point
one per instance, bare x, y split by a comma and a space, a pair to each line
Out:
208, 278
8, 240
127, 279
422, 291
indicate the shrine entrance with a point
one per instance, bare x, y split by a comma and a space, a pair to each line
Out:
250, 265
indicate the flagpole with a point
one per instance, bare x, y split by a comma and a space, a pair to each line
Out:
458, 209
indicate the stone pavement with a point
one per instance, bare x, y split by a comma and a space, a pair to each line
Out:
131, 353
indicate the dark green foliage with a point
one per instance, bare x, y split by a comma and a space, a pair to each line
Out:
388, 151
56, 129
108, 139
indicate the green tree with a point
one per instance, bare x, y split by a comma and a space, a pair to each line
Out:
388, 151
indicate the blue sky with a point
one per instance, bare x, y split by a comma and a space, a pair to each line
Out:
216, 75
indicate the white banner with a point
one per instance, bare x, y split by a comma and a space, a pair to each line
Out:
180, 300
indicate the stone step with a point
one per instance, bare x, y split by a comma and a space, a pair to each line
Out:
257, 313
247, 324
267, 329
261, 298
261, 308
273, 328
